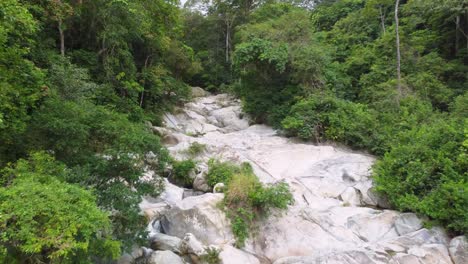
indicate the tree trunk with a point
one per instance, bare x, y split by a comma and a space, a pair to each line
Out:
457, 33
227, 39
62, 38
382, 19
397, 3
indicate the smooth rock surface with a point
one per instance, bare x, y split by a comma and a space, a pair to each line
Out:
164, 257
328, 222
200, 216
459, 250
161, 241
232, 255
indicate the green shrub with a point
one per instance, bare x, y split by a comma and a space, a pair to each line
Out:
223, 171
211, 256
325, 117
63, 224
181, 173
426, 173
195, 149
247, 199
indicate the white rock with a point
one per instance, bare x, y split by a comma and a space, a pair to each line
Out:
319, 226
218, 188
459, 250
153, 210
191, 245
200, 183
351, 197
431, 253
229, 118
198, 92
232, 255
374, 227
407, 223
161, 241
164, 257
201, 216
172, 194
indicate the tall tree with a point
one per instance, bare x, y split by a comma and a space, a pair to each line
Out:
397, 3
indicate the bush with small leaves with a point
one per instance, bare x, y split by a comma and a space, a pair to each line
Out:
247, 199
223, 171
211, 256
181, 173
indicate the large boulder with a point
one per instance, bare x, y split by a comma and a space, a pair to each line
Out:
201, 216
459, 249
199, 92
161, 241
200, 183
164, 257
407, 223
228, 117
232, 255
172, 194
343, 257
428, 254
191, 245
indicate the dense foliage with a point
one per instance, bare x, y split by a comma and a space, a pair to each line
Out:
329, 74
78, 81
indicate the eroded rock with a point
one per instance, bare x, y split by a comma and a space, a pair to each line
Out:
200, 216
459, 250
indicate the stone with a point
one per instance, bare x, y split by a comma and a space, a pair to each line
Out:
200, 183
378, 199
431, 253
191, 245
198, 92
351, 197
228, 117
218, 188
374, 227
201, 216
153, 210
190, 193
172, 194
407, 223
331, 186
164, 257
160, 241
458, 249
232, 255
343, 257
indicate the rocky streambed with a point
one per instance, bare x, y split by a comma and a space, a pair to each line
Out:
336, 218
